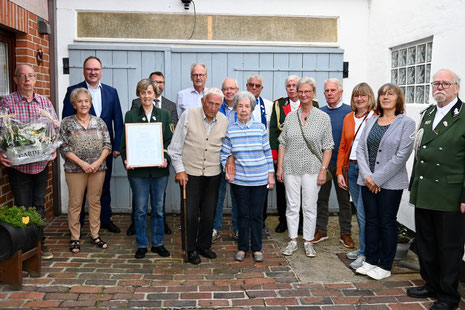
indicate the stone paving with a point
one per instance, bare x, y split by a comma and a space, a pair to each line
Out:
114, 279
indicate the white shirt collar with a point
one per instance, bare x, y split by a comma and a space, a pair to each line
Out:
90, 87
338, 105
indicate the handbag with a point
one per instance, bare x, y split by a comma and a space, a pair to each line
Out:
345, 168
329, 175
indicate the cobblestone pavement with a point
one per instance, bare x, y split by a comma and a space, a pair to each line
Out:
114, 279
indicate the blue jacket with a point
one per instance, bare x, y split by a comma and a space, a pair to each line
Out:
111, 111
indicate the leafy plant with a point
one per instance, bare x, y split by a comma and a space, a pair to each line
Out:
402, 233
20, 216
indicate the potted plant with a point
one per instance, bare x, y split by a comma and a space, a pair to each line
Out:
20, 229
403, 242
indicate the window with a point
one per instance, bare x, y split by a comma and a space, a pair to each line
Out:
4, 70
411, 69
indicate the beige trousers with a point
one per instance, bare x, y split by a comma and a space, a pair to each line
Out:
77, 184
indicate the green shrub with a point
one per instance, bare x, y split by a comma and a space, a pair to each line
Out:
14, 216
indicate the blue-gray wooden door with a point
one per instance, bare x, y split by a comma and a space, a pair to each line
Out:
124, 66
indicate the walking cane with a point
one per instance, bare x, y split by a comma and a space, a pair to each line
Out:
184, 219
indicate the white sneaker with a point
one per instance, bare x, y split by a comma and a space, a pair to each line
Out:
215, 235
365, 268
353, 254
309, 250
358, 262
290, 248
379, 273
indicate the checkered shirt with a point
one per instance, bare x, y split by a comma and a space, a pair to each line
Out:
26, 112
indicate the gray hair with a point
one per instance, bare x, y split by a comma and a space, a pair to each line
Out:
291, 78
212, 91
198, 64
244, 95
234, 80
23, 65
307, 80
457, 78
255, 77
335, 81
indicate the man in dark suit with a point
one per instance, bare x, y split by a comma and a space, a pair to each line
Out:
437, 190
106, 105
168, 105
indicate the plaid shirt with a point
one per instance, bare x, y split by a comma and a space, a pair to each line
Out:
25, 112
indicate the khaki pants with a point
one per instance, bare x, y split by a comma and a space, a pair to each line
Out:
77, 184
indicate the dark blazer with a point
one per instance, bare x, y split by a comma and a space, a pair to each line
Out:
138, 116
438, 176
166, 104
111, 111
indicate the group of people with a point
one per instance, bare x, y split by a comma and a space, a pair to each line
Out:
362, 148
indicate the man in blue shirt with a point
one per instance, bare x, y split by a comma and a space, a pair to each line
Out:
191, 97
337, 112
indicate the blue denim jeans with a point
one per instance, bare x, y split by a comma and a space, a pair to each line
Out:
355, 191
250, 201
142, 188
381, 226
218, 222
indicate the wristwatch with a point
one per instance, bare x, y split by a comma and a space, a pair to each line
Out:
323, 167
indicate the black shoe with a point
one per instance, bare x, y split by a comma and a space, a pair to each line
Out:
193, 258
281, 228
131, 230
167, 229
140, 253
111, 227
208, 253
440, 305
421, 292
160, 250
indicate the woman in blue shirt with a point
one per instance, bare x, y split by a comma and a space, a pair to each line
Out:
247, 142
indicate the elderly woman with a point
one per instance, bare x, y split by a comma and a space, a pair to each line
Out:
86, 144
247, 142
305, 146
362, 103
384, 147
148, 182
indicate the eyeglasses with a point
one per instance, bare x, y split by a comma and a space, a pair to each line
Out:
201, 75
444, 85
360, 95
23, 76
160, 82
92, 69
229, 89
305, 92
252, 85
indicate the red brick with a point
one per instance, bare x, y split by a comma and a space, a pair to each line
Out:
281, 301
86, 289
31, 295
248, 302
213, 303
326, 293
390, 291
412, 306
259, 281
42, 304
196, 295
11, 303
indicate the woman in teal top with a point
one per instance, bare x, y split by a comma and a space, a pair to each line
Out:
149, 181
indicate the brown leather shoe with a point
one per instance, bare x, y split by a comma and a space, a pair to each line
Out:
319, 236
346, 240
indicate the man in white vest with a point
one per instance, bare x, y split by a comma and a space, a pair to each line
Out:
195, 155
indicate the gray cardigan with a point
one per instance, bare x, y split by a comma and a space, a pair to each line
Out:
394, 150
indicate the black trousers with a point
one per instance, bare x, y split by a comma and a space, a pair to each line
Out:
440, 238
280, 200
201, 199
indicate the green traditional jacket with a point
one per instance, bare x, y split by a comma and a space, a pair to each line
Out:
160, 116
281, 108
438, 175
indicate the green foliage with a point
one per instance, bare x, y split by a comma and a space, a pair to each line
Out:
14, 216
402, 233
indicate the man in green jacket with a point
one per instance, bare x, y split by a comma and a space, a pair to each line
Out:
438, 193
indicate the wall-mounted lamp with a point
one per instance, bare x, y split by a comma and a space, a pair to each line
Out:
39, 56
186, 4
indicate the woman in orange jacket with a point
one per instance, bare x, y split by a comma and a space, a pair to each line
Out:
362, 103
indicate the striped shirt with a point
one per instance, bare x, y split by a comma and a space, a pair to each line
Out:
26, 112
250, 147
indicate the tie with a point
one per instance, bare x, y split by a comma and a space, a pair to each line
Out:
157, 103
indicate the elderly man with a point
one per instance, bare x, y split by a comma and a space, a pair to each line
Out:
262, 112
165, 104
28, 182
336, 111
191, 97
281, 107
195, 155
438, 193
105, 104
230, 89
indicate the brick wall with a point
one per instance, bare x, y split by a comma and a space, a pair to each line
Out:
27, 41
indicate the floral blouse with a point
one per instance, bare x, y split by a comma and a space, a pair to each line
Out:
87, 144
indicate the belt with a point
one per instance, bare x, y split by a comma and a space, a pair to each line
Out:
353, 161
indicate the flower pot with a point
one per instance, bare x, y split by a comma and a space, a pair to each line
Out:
13, 239
402, 250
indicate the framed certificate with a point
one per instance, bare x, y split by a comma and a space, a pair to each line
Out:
144, 144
